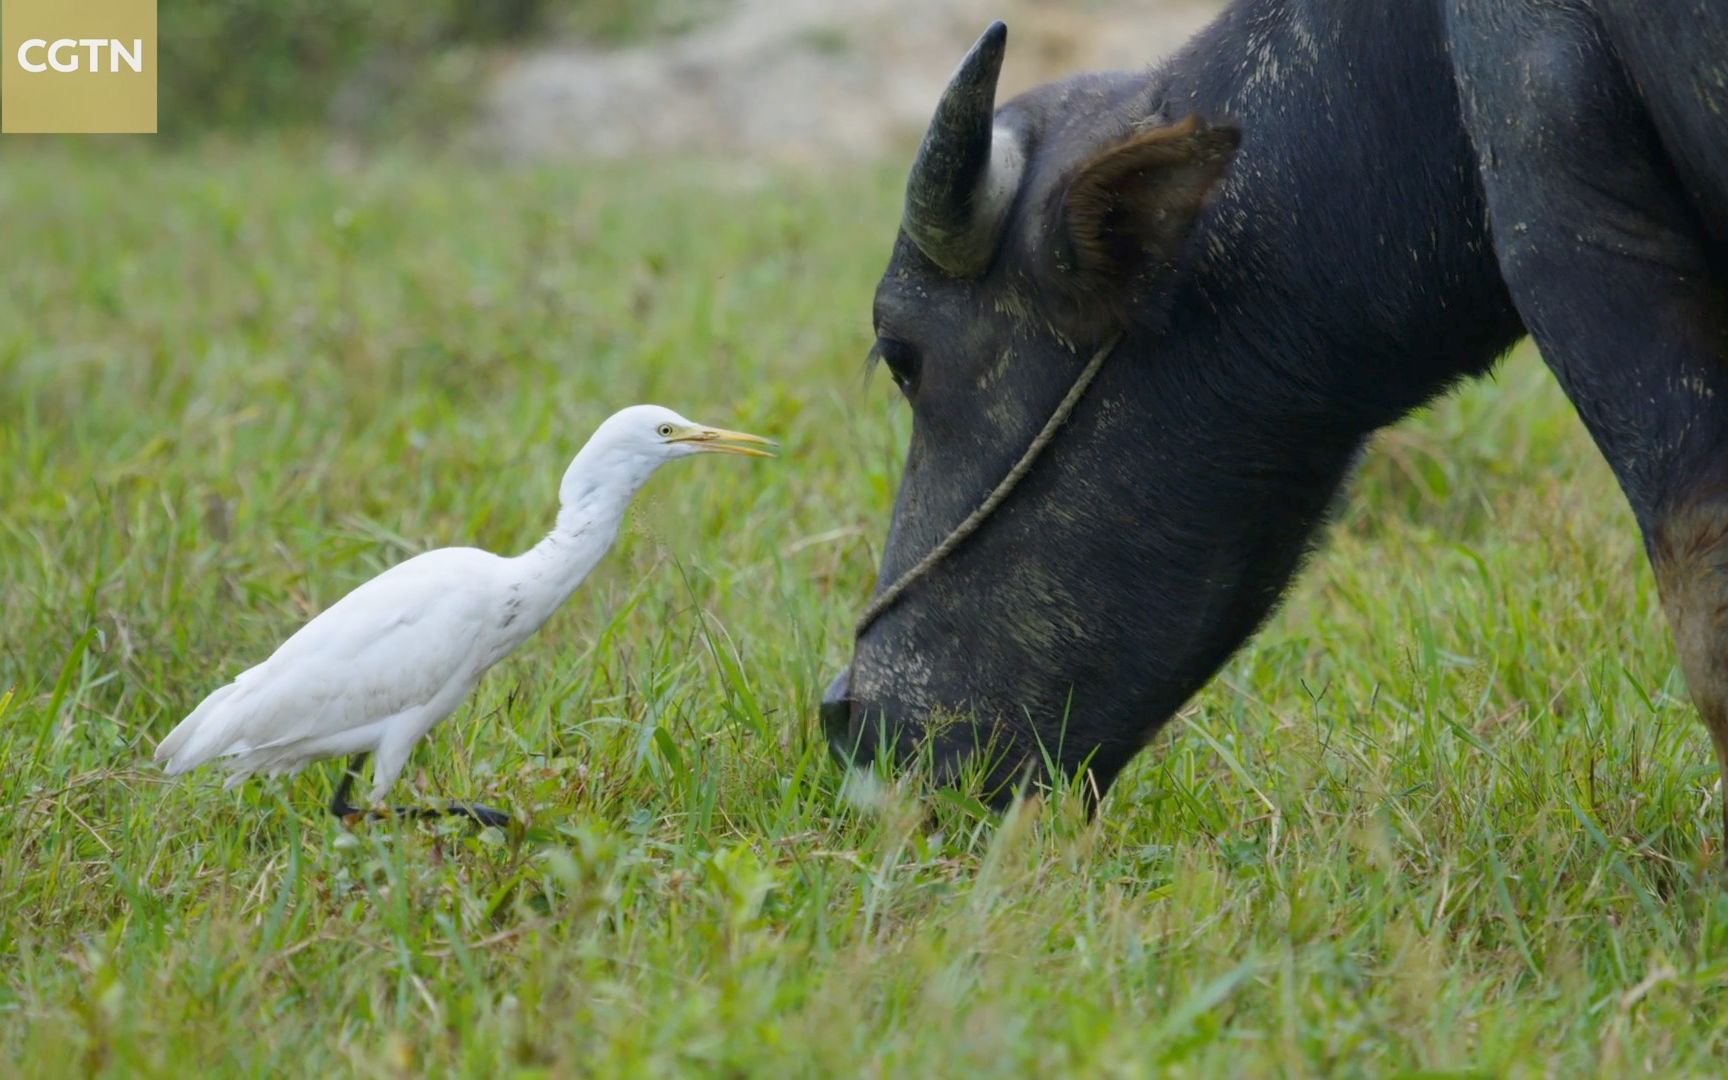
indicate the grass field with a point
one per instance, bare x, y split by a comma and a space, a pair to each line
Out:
1450, 814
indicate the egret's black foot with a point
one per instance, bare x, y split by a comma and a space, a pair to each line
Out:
480, 815
351, 815
484, 816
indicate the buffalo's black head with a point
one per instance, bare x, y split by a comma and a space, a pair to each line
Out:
1157, 529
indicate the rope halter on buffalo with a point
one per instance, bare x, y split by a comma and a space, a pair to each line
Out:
886, 598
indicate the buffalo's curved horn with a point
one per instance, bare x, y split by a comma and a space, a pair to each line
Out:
965, 174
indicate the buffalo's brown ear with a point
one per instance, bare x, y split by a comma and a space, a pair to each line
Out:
1129, 208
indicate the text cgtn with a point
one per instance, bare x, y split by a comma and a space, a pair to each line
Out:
67, 54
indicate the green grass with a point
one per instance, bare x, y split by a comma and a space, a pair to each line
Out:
1450, 812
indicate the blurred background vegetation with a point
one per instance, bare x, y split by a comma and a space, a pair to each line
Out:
367, 67
810, 82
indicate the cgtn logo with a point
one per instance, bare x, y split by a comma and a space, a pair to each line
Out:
62, 54
77, 67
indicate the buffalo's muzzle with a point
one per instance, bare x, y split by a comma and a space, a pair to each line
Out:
837, 716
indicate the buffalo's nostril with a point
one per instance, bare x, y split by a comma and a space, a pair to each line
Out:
837, 712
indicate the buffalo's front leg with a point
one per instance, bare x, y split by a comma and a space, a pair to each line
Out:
1613, 269
1689, 550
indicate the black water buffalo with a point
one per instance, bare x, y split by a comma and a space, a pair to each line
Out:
1312, 219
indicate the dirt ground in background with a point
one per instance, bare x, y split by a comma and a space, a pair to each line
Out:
805, 80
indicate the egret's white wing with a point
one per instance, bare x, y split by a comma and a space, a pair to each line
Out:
391, 645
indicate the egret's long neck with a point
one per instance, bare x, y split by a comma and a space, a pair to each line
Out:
593, 498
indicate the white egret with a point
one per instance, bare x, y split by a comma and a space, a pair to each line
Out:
373, 672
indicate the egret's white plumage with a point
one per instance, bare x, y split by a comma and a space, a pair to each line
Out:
374, 671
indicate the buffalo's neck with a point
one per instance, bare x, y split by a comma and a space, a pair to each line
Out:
1349, 250
1342, 277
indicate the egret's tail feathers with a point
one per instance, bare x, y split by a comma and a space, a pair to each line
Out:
180, 750
208, 732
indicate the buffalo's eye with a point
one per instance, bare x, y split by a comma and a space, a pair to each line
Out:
902, 363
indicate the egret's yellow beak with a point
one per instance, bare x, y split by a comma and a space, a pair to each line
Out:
720, 441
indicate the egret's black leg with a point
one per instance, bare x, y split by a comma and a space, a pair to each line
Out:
342, 808
339, 804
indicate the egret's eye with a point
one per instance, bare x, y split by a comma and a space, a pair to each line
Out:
902, 362
664, 431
